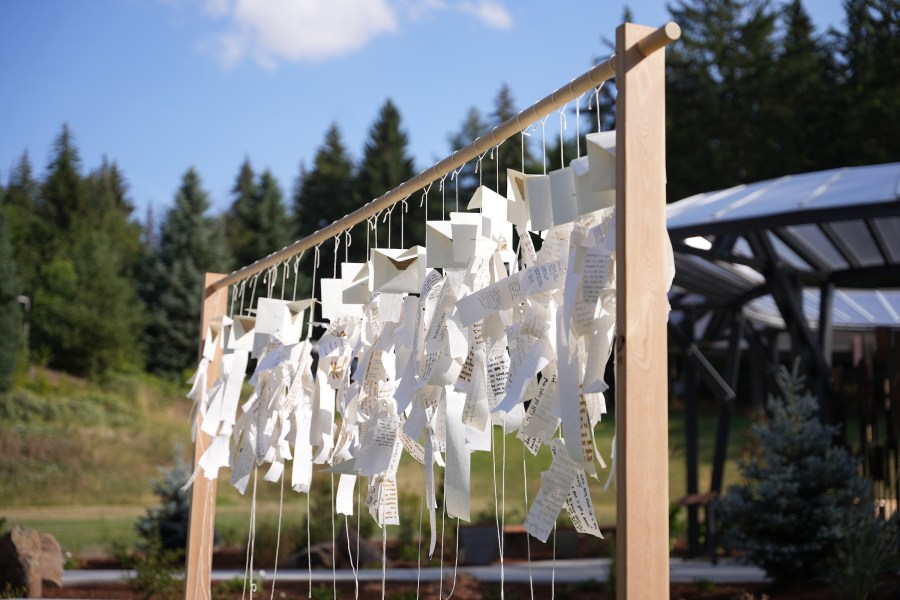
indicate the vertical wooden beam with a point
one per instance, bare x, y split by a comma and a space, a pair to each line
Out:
201, 525
642, 452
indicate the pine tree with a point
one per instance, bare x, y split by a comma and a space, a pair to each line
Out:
798, 490
326, 192
719, 95
385, 165
85, 317
802, 118
870, 48
190, 244
21, 204
10, 311
467, 180
238, 230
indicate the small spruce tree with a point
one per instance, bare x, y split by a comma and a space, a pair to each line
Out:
798, 490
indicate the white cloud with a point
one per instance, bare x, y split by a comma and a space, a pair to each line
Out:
491, 13
297, 30
271, 31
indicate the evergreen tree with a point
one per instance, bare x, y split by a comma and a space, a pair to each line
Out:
238, 231
719, 96
870, 48
326, 192
803, 99
85, 317
787, 516
21, 205
190, 244
467, 180
63, 194
385, 165
10, 311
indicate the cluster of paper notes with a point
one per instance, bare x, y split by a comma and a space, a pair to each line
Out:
427, 349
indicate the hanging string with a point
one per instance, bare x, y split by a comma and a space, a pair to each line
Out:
443, 198
497, 512
524, 135
278, 538
387, 218
348, 239
419, 555
562, 144
353, 567
337, 246
297, 273
441, 579
404, 209
553, 568
252, 292
503, 504
234, 296
455, 561
333, 536
478, 170
424, 199
497, 166
272, 276
544, 141
383, 558
241, 305
251, 542
308, 543
358, 520
286, 274
455, 177
312, 313
527, 537
595, 99
578, 128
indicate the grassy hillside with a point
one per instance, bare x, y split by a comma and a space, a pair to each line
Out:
77, 459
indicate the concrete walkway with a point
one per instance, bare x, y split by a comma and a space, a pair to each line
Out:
541, 572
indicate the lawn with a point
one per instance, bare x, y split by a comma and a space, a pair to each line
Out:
88, 484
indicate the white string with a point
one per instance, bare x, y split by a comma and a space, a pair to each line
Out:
387, 218
497, 512
424, 200
348, 239
308, 545
443, 199
562, 144
405, 207
383, 558
353, 568
553, 569
544, 141
312, 314
455, 561
251, 541
503, 505
337, 247
234, 296
578, 128
443, 522
358, 519
455, 177
527, 536
297, 273
333, 536
278, 538
419, 554
252, 292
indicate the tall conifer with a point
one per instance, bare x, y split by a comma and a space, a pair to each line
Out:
190, 244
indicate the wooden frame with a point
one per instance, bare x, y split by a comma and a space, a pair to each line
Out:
642, 308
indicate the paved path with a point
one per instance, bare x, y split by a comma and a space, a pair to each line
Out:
565, 571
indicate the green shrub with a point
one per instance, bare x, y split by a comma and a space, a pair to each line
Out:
167, 523
867, 556
788, 516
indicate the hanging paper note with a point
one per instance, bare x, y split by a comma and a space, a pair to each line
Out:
562, 196
397, 270
601, 149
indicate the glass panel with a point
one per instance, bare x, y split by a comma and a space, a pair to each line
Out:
785, 252
814, 241
889, 228
858, 239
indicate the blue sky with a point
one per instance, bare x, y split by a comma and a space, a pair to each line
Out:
161, 85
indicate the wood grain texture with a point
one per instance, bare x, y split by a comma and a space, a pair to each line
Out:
202, 521
642, 312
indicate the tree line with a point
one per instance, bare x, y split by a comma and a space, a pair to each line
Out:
753, 92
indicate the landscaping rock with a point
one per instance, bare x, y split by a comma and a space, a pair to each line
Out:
51, 561
319, 555
369, 554
20, 562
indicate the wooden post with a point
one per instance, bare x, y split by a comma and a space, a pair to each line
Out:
201, 525
642, 453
